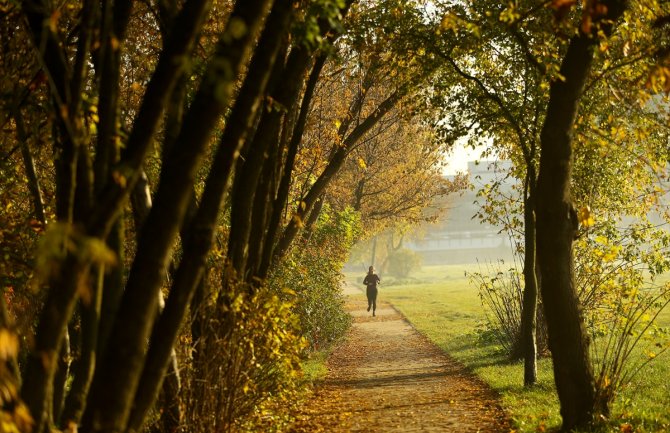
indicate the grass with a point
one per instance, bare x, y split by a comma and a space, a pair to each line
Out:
441, 303
314, 368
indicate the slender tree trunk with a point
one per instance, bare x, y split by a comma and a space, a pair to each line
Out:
109, 66
62, 374
310, 224
171, 410
37, 389
31, 172
65, 137
556, 228
90, 320
530, 293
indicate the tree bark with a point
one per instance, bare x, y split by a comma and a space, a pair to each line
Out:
90, 320
556, 228
37, 389
60, 378
171, 411
57, 68
529, 309
310, 224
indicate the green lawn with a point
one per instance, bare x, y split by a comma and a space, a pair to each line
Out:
442, 304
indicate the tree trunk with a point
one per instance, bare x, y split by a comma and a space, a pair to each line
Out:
313, 218
62, 374
37, 388
529, 311
83, 374
31, 172
57, 68
556, 228
248, 181
117, 379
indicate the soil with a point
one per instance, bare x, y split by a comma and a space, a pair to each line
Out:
386, 377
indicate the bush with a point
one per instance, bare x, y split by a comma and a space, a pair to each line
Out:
247, 363
501, 294
312, 272
403, 261
621, 306
622, 325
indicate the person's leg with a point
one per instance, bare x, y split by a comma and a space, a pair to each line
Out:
374, 303
369, 294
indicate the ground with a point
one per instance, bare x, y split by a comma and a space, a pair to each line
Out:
386, 377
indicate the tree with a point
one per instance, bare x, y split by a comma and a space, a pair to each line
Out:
557, 224
506, 105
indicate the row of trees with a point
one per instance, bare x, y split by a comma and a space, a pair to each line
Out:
167, 156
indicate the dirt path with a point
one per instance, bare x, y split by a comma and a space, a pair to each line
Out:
386, 377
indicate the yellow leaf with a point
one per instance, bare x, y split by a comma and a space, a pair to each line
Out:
114, 42
119, 178
9, 345
626, 428
362, 163
53, 20
298, 221
585, 217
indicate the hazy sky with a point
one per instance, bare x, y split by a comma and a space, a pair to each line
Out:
457, 160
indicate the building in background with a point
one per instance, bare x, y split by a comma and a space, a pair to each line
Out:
460, 237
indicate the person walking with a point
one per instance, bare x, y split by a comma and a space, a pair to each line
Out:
371, 280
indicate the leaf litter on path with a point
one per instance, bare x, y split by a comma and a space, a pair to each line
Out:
386, 377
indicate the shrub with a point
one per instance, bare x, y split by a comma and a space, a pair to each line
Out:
312, 272
403, 261
247, 364
620, 305
622, 325
501, 294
